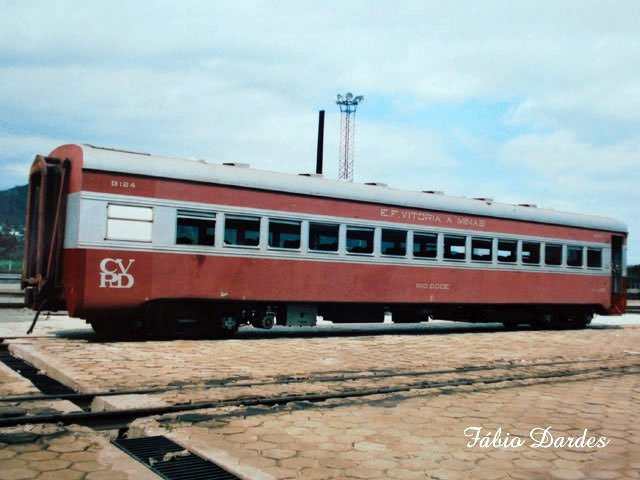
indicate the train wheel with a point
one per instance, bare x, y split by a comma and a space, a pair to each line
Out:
544, 321
103, 328
157, 320
576, 320
586, 319
564, 321
267, 321
110, 327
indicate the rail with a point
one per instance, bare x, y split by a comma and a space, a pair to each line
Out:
121, 418
465, 378
10, 276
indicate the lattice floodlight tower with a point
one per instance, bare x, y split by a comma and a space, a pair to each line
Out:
348, 105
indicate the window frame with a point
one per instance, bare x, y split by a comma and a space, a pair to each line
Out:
284, 221
514, 253
228, 217
324, 224
425, 234
482, 239
547, 246
524, 261
118, 217
395, 230
601, 257
575, 247
464, 246
196, 215
355, 228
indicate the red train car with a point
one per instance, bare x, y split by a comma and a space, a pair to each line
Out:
135, 242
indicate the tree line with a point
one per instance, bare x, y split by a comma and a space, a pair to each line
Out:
11, 248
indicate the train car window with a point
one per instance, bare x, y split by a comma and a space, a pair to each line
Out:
195, 228
507, 251
323, 237
552, 254
531, 253
574, 256
359, 240
454, 247
594, 257
242, 231
425, 245
125, 222
284, 234
394, 242
481, 249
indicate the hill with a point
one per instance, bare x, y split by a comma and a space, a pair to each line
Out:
13, 207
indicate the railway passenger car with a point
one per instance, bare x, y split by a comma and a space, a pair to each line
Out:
138, 243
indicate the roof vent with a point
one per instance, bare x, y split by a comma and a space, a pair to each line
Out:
433, 192
315, 175
530, 205
484, 199
236, 164
376, 184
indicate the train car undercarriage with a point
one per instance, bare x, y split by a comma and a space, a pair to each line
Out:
207, 319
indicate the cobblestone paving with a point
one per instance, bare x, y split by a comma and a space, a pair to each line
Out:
357, 383
12, 383
417, 434
421, 435
93, 366
47, 452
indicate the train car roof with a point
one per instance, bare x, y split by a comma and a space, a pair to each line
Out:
239, 175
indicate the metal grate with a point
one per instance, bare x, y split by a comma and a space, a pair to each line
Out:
170, 460
42, 382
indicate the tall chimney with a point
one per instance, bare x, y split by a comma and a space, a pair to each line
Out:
320, 141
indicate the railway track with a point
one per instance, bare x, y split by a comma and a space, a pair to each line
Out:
277, 391
11, 300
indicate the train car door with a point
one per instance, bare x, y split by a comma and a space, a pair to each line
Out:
616, 265
618, 296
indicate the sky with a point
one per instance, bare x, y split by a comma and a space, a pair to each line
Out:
523, 102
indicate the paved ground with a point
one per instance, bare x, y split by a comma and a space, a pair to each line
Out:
418, 433
49, 452
87, 364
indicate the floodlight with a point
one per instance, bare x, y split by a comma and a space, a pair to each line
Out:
348, 105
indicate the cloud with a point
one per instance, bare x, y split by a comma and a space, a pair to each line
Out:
18, 152
561, 155
243, 81
572, 175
